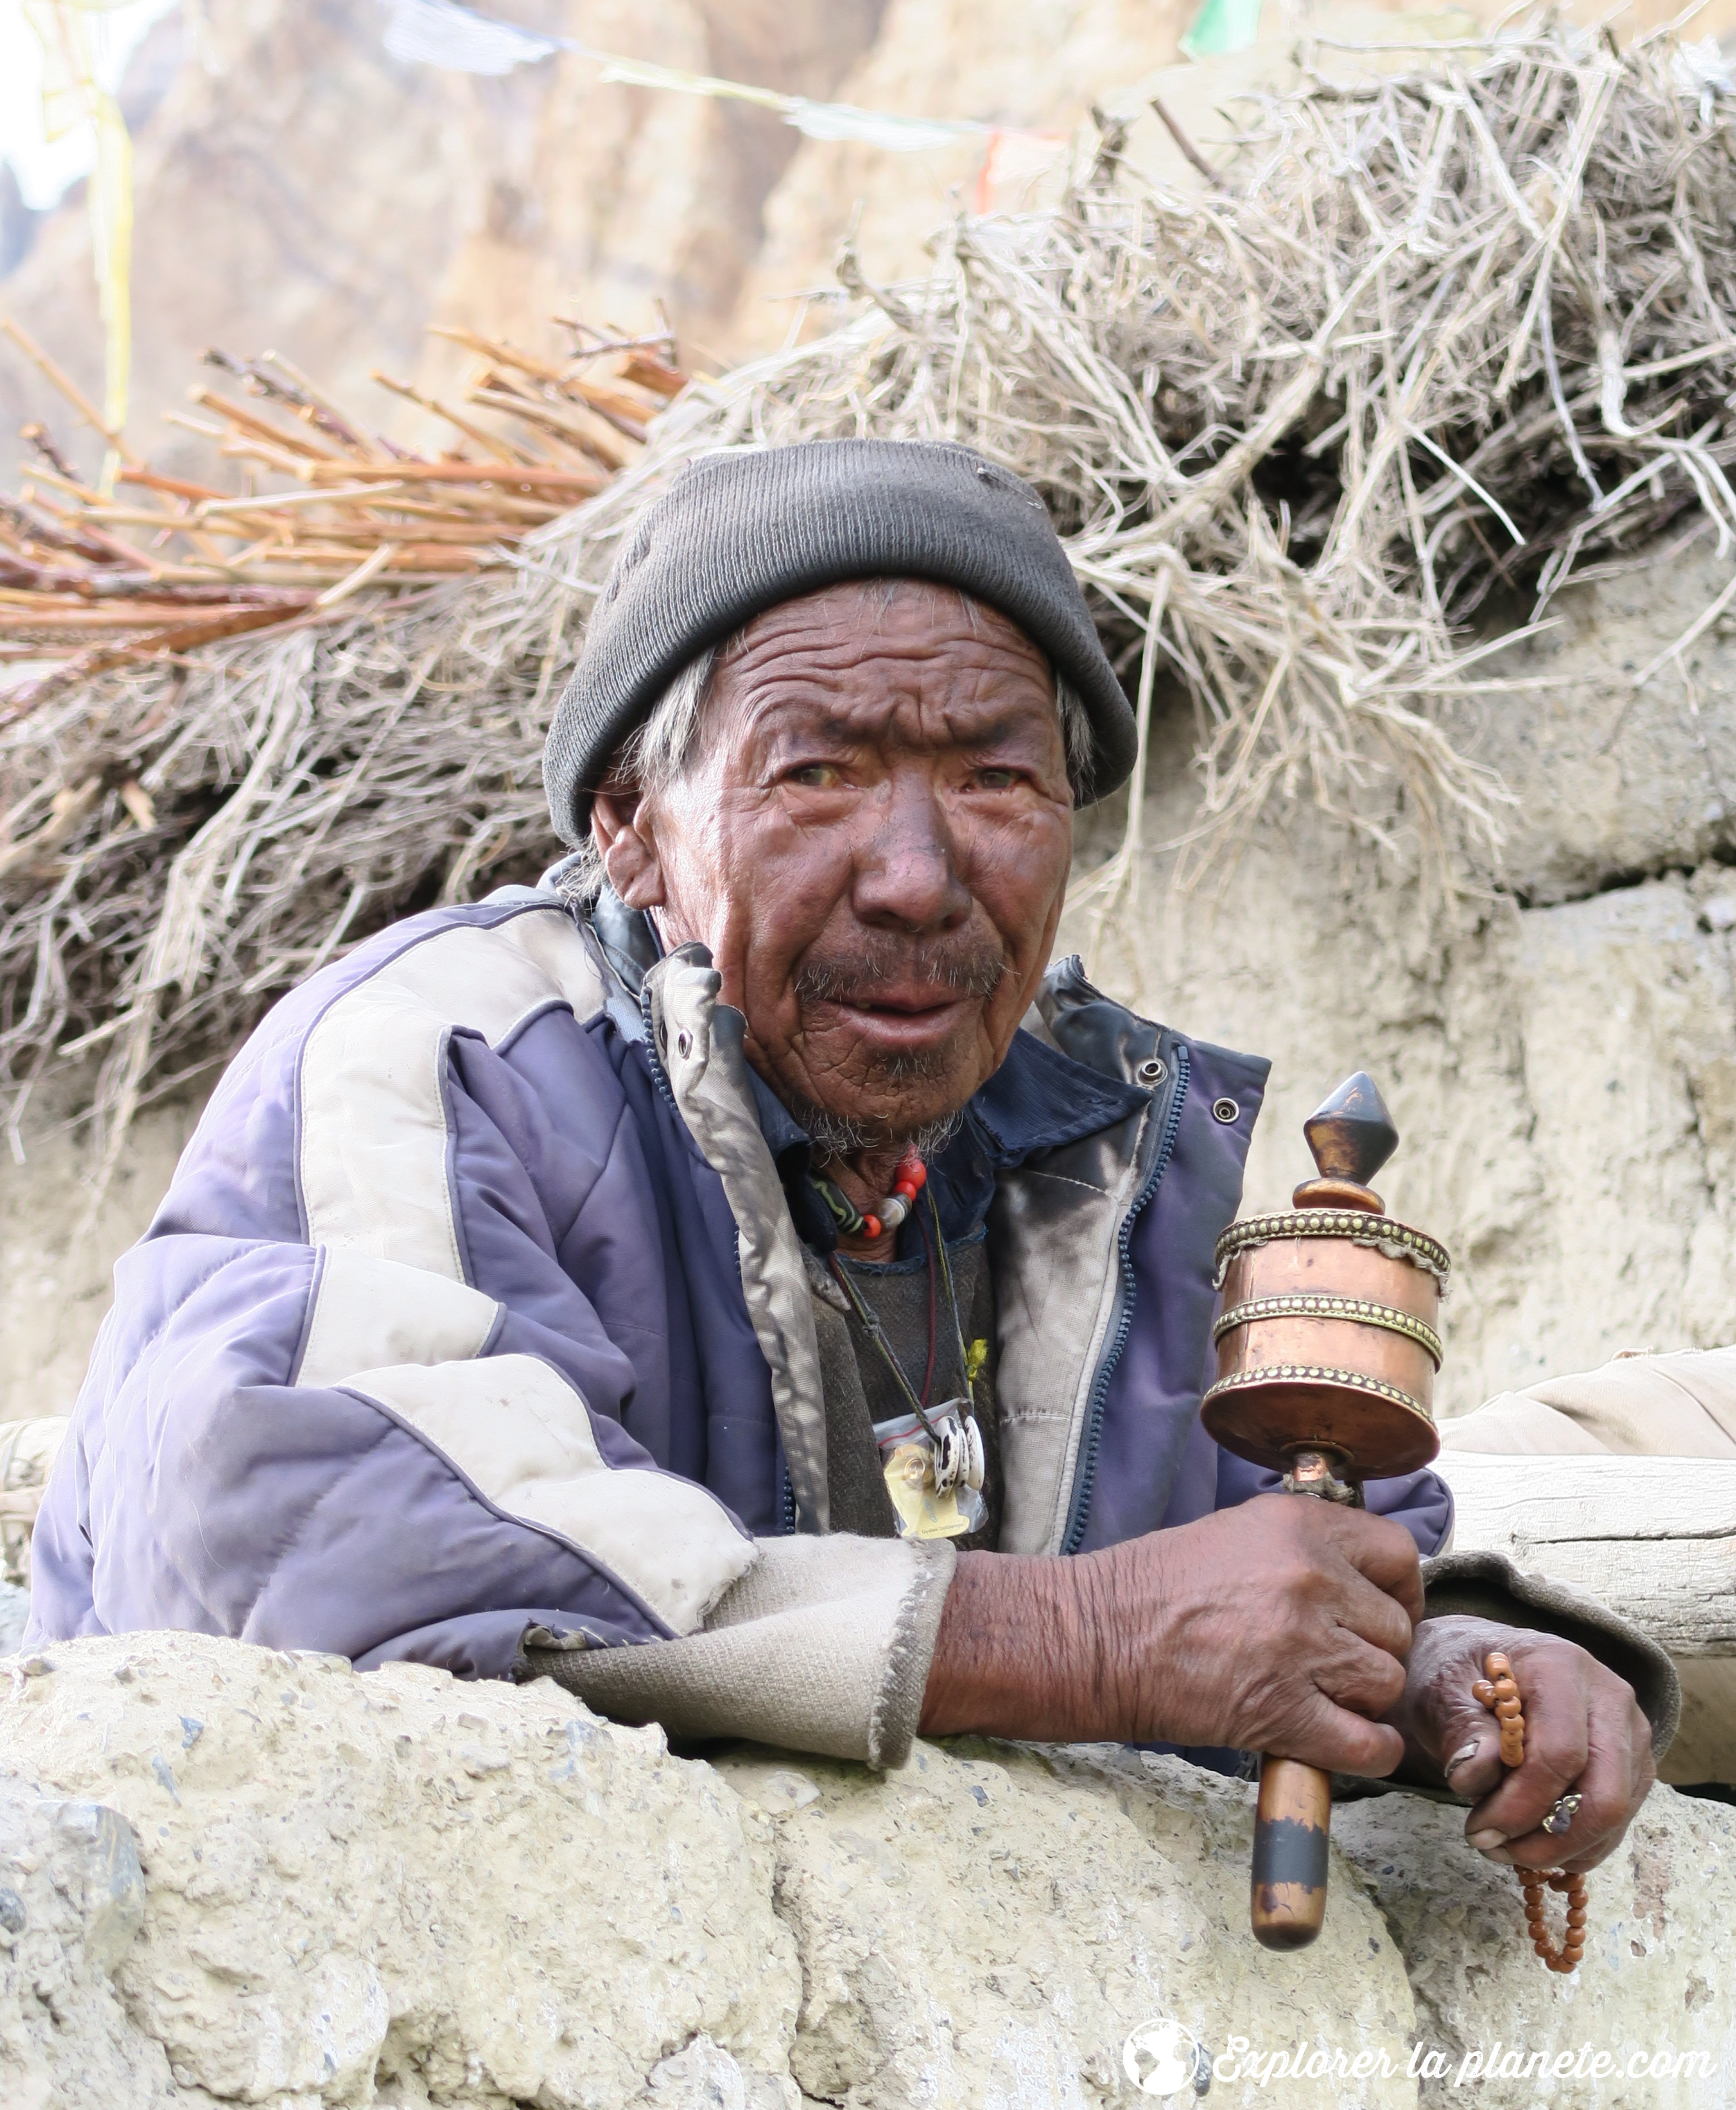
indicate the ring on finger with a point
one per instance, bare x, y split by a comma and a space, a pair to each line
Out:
1562, 1812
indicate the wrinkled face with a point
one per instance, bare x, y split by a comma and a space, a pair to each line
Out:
872, 839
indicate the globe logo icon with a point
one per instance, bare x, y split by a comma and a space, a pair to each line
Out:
1161, 2058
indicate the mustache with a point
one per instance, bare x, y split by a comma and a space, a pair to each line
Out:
967, 965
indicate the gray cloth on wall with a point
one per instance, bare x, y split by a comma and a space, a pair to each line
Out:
823, 1645
736, 533
1682, 1405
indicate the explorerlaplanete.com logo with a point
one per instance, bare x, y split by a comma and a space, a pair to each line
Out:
1162, 2057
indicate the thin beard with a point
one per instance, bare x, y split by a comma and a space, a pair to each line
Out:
933, 1136
835, 1135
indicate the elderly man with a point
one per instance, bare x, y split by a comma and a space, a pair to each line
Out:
742, 1280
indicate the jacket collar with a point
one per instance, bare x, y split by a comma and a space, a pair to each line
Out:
1038, 1099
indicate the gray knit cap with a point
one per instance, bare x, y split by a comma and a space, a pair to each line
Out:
737, 533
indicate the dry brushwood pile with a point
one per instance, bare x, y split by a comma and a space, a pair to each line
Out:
1426, 339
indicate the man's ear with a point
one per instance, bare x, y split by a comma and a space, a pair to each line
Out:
620, 827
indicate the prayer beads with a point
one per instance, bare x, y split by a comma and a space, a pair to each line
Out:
1498, 1691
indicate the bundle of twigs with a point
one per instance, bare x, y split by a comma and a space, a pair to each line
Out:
88, 581
1424, 339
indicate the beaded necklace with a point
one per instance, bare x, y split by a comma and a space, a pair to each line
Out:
955, 1457
886, 1213
876, 1333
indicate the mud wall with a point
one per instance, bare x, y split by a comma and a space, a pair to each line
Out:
248, 1876
1562, 1056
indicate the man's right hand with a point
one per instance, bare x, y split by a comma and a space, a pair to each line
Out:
1278, 1626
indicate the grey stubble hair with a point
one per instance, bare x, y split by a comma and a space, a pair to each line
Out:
651, 759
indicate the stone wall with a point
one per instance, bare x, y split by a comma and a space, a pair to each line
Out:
229, 1874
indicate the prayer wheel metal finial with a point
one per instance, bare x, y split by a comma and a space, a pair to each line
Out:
1327, 1347
1350, 1135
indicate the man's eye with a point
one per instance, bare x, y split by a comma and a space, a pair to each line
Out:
997, 780
814, 776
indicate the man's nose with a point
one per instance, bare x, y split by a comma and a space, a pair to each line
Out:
906, 874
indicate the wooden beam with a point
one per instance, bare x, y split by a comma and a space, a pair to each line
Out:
1654, 1538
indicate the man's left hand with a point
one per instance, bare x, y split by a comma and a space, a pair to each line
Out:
1584, 1734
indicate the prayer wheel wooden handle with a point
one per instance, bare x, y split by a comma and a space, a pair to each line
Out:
1292, 1830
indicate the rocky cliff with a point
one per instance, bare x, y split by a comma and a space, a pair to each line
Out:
299, 189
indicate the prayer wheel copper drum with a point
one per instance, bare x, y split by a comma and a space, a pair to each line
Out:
1328, 1340
1327, 1347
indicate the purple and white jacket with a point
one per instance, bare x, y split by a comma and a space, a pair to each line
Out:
475, 1330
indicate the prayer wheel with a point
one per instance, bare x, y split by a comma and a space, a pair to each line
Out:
1327, 1347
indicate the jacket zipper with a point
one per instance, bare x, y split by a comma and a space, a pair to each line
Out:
1093, 1440
786, 1493
659, 1076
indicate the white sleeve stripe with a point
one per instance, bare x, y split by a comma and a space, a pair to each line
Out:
515, 1427
373, 1123
394, 1318
368, 1313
